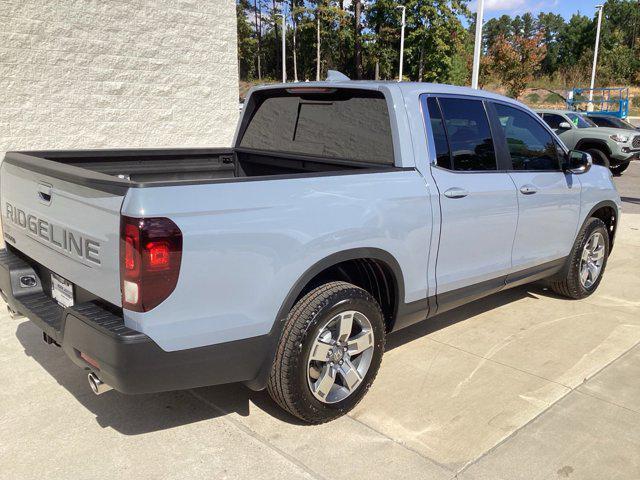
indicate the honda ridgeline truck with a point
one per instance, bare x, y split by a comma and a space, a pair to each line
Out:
343, 211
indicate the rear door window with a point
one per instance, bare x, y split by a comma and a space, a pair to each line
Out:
554, 120
443, 154
469, 134
339, 124
603, 122
530, 145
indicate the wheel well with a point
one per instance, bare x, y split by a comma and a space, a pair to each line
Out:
609, 216
370, 274
590, 144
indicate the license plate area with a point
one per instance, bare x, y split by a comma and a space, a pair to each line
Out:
61, 291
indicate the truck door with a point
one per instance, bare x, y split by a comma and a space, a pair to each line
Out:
478, 202
548, 198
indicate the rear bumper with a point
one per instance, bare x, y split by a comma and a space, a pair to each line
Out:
125, 359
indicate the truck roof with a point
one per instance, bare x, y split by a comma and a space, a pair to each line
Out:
556, 110
404, 87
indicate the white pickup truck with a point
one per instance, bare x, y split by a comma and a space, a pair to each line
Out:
343, 211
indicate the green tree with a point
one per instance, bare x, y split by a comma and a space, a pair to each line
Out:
494, 28
435, 36
383, 40
577, 36
247, 43
362, 39
357, 35
550, 25
524, 25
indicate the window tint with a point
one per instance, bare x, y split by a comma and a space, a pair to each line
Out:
469, 134
345, 124
554, 120
603, 122
530, 145
624, 124
443, 156
581, 121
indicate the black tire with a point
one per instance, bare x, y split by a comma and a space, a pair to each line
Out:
570, 286
288, 384
599, 157
618, 169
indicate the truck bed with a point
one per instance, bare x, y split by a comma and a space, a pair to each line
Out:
115, 170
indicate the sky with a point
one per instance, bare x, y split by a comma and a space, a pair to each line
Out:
495, 8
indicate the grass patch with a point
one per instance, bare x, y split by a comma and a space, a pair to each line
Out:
553, 98
533, 98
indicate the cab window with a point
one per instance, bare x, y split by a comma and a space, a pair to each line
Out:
530, 145
580, 121
469, 135
554, 120
443, 154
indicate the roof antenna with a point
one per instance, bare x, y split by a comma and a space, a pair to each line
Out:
336, 76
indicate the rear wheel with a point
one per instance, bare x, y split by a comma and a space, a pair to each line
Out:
588, 260
599, 157
329, 352
618, 169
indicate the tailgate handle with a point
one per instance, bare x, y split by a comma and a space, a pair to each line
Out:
44, 193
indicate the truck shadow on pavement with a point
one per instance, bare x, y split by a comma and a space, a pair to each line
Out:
466, 311
140, 414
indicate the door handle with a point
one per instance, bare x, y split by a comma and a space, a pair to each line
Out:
456, 192
528, 189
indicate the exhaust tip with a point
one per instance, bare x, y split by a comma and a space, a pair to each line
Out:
97, 386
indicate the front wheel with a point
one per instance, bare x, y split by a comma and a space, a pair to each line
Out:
587, 261
329, 352
618, 169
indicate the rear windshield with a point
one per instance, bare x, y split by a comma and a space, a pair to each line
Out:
341, 124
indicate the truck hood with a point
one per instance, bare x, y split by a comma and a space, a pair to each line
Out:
606, 131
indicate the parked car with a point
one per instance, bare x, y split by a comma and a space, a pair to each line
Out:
612, 122
344, 211
611, 147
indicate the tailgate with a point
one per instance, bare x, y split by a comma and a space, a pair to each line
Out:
73, 230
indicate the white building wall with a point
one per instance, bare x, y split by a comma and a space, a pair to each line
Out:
117, 73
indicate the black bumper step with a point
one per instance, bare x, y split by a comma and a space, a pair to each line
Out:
37, 305
124, 358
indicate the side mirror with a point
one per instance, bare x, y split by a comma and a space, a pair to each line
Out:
564, 126
577, 162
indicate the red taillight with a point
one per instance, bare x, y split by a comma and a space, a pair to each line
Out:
131, 236
150, 257
159, 255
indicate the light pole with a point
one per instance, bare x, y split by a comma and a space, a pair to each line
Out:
595, 57
284, 46
404, 10
477, 49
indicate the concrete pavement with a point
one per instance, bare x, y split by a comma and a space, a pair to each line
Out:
522, 384
629, 187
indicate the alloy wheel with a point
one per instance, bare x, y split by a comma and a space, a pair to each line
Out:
592, 260
340, 356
